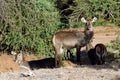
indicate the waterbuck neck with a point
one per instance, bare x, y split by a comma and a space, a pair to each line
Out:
89, 34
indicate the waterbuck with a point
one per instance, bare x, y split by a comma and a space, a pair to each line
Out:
33, 64
98, 54
72, 39
23, 64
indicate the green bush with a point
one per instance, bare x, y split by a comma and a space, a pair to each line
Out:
104, 10
115, 45
28, 25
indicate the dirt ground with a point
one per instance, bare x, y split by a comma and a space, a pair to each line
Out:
102, 35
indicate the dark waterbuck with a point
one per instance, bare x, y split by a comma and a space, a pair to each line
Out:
72, 39
98, 54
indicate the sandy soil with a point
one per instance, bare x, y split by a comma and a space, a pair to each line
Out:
11, 71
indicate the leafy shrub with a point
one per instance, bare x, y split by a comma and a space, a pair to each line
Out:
116, 46
28, 25
107, 10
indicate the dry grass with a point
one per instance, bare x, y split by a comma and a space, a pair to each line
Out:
7, 63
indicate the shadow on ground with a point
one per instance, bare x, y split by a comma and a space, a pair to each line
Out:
85, 62
109, 64
42, 63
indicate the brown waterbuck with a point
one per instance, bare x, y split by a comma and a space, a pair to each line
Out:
72, 39
23, 64
19, 58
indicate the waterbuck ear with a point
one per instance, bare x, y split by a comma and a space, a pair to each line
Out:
13, 53
83, 20
94, 19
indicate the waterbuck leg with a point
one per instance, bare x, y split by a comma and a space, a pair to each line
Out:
68, 54
58, 60
78, 54
88, 47
91, 46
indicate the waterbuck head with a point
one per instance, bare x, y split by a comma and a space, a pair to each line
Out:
88, 25
25, 65
18, 57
